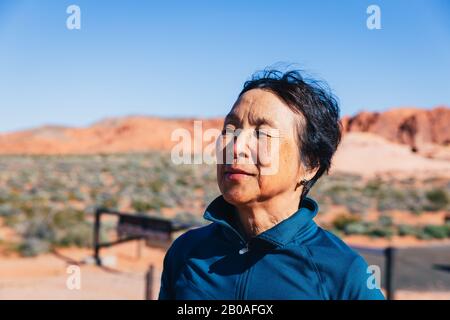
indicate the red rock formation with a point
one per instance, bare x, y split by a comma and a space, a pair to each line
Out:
129, 134
421, 129
425, 131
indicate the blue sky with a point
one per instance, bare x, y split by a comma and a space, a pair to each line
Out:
190, 58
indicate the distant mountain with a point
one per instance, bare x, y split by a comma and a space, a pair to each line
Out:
415, 127
127, 134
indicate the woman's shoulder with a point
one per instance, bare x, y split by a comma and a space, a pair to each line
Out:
346, 271
189, 240
326, 246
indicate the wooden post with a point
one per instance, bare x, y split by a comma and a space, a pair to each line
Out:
149, 283
97, 238
390, 265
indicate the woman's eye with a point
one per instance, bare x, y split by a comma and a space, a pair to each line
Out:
261, 133
228, 131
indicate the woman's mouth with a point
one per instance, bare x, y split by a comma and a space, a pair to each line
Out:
237, 174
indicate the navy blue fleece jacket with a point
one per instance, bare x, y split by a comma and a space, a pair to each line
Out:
295, 259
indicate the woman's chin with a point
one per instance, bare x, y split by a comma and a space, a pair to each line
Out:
237, 197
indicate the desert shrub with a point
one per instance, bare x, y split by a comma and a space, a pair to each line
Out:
7, 210
48, 227
166, 200
106, 200
77, 195
414, 201
437, 231
37, 227
188, 218
385, 221
155, 185
381, 232
390, 199
3, 196
33, 246
80, 235
342, 220
357, 204
356, 228
67, 217
407, 230
58, 195
350, 197
422, 235
372, 187
437, 199
141, 205
183, 181
339, 188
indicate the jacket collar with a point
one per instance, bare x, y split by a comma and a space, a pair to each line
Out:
298, 225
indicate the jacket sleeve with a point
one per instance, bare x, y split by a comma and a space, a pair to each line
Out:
359, 282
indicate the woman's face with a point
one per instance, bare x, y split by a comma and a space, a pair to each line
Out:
263, 160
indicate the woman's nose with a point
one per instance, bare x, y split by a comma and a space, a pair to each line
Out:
242, 145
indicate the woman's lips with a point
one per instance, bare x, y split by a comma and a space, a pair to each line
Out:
235, 174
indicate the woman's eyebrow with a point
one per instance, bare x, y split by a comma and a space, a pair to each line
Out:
260, 121
232, 118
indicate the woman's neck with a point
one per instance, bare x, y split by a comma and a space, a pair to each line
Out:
258, 217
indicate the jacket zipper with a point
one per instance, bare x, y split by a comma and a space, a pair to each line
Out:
242, 281
244, 249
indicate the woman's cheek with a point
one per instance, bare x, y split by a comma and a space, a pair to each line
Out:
268, 157
288, 162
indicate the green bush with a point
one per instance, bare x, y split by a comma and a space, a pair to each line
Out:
188, 218
381, 232
390, 198
7, 210
373, 187
342, 220
407, 230
422, 235
30, 247
437, 199
80, 235
141, 206
106, 200
385, 221
47, 227
40, 228
437, 231
356, 228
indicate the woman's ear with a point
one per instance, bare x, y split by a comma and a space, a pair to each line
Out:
305, 173
309, 174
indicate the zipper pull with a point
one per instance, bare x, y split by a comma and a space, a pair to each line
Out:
244, 250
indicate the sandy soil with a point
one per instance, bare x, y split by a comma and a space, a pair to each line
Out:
370, 155
45, 276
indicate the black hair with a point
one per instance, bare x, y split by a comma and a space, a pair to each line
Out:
320, 134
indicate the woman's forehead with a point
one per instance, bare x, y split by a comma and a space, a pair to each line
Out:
260, 107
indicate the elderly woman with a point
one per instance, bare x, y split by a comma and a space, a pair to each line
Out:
262, 242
